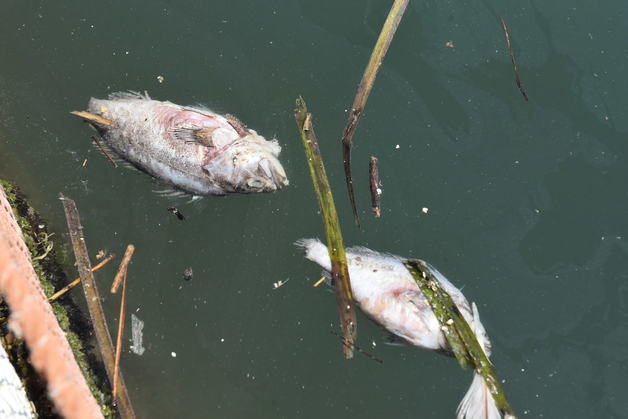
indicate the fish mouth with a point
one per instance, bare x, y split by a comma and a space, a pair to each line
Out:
271, 170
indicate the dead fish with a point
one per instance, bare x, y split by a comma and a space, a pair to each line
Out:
386, 292
192, 149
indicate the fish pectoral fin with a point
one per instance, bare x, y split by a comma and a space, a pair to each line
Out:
394, 340
201, 136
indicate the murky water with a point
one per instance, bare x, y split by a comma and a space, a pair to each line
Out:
526, 200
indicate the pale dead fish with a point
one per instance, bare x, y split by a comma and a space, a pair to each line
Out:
192, 149
386, 292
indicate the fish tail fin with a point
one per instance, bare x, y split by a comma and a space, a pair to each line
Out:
478, 403
315, 251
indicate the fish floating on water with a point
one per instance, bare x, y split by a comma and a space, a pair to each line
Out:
386, 292
190, 148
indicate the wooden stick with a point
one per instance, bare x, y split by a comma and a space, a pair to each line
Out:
92, 117
78, 280
374, 183
104, 151
515, 67
119, 340
123, 268
92, 297
364, 89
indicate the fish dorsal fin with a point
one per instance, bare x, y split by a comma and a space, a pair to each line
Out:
237, 125
129, 94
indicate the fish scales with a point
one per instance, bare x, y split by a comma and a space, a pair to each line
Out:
191, 148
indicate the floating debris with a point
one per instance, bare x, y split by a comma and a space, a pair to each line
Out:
279, 283
376, 191
515, 67
137, 326
364, 89
84, 163
188, 273
100, 254
425, 210
173, 354
160, 79
123, 268
176, 212
320, 281
449, 44
360, 350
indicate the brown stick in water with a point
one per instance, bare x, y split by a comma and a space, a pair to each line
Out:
374, 183
116, 368
512, 58
123, 268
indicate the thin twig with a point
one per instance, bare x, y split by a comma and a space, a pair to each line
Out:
364, 89
362, 351
116, 368
374, 183
123, 268
104, 151
512, 58
78, 280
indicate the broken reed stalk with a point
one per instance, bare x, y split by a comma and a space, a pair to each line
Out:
335, 246
103, 338
104, 151
124, 265
116, 368
78, 280
364, 89
460, 337
515, 67
374, 184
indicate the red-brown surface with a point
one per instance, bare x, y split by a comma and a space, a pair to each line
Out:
33, 319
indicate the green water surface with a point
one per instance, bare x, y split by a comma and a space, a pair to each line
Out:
527, 202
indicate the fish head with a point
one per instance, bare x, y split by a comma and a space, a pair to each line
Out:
249, 165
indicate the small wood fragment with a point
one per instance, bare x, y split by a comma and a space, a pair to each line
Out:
93, 117
78, 280
84, 163
515, 67
320, 281
102, 149
176, 212
374, 183
123, 268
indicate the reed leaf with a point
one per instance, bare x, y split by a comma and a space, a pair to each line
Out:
335, 246
364, 89
460, 337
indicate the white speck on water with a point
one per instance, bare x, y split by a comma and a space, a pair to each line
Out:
397, 147
222, 339
379, 191
425, 210
537, 210
173, 354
